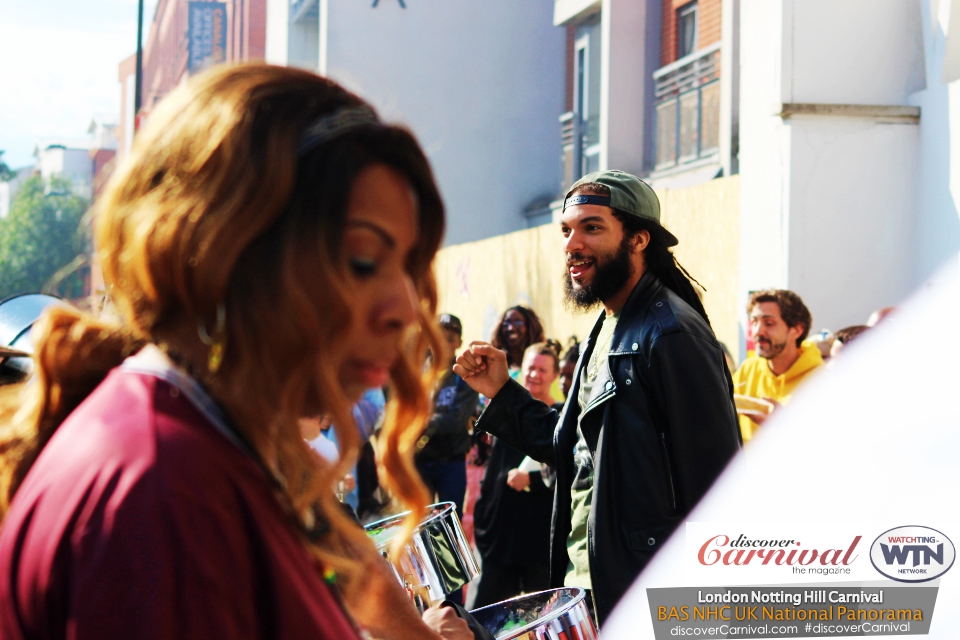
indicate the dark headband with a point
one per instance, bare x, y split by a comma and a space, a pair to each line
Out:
603, 201
335, 124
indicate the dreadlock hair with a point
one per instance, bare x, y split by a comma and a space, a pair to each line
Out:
661, 261
657, 256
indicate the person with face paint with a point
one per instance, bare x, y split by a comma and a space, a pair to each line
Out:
779, 323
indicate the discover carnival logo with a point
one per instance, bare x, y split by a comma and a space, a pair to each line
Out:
912, 554
740, 551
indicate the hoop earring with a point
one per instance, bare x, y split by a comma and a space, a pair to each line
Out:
217, 343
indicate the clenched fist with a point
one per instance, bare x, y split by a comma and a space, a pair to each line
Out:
518, 480
483, 367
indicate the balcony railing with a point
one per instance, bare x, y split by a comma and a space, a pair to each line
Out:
687, 104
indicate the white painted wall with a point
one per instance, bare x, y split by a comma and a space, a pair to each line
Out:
852, 193
480, 84
828, 204
764, 149
304, 46
937, 231
293, 44
72, 162
565, 10
630, 54
277, 31
729, 86
852, 51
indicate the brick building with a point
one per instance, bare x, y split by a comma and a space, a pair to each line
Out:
688, 25
688, 93
651, 88
165, 66
166, 53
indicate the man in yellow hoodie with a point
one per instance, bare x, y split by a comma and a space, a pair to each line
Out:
779, 323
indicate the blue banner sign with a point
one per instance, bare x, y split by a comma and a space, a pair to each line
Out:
206, 34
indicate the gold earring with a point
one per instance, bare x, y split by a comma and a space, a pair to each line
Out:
217, 343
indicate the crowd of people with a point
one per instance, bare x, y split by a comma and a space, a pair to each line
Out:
514, 500
779, 325
278, 374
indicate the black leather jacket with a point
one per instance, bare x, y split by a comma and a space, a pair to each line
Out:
663, 409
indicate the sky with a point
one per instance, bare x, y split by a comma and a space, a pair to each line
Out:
58, 67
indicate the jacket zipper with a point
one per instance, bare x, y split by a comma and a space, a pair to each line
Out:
596, 612
666, 462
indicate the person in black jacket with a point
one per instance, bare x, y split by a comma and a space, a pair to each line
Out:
442, 450
512, 519
650, 422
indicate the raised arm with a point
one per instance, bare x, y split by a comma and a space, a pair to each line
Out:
513, 414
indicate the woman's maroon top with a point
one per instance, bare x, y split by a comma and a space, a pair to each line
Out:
142, 519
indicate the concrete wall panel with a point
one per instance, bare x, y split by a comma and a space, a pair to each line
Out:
854, 51
764, 150
937, 234
852, 249
480, 84
829, 204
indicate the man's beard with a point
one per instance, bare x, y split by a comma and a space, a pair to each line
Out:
772, 351
613, 271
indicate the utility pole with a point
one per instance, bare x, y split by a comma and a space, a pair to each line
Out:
139, 75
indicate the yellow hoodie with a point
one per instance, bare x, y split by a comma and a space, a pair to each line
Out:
754, 378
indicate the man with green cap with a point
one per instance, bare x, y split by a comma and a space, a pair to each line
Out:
650, 421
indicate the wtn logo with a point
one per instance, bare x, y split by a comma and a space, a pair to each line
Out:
900, 552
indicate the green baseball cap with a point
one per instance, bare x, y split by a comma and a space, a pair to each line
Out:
628, 194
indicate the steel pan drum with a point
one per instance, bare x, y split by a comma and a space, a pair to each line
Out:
437, 561
557, 614
17, 315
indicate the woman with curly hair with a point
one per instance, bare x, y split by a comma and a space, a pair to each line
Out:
268, 246
518, 328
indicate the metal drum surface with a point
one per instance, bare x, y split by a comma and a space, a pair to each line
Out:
556, 614
437, 561
17, 315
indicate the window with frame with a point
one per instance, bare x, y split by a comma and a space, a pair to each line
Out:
586, 97
686, 29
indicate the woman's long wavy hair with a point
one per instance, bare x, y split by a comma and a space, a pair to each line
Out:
214, 206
